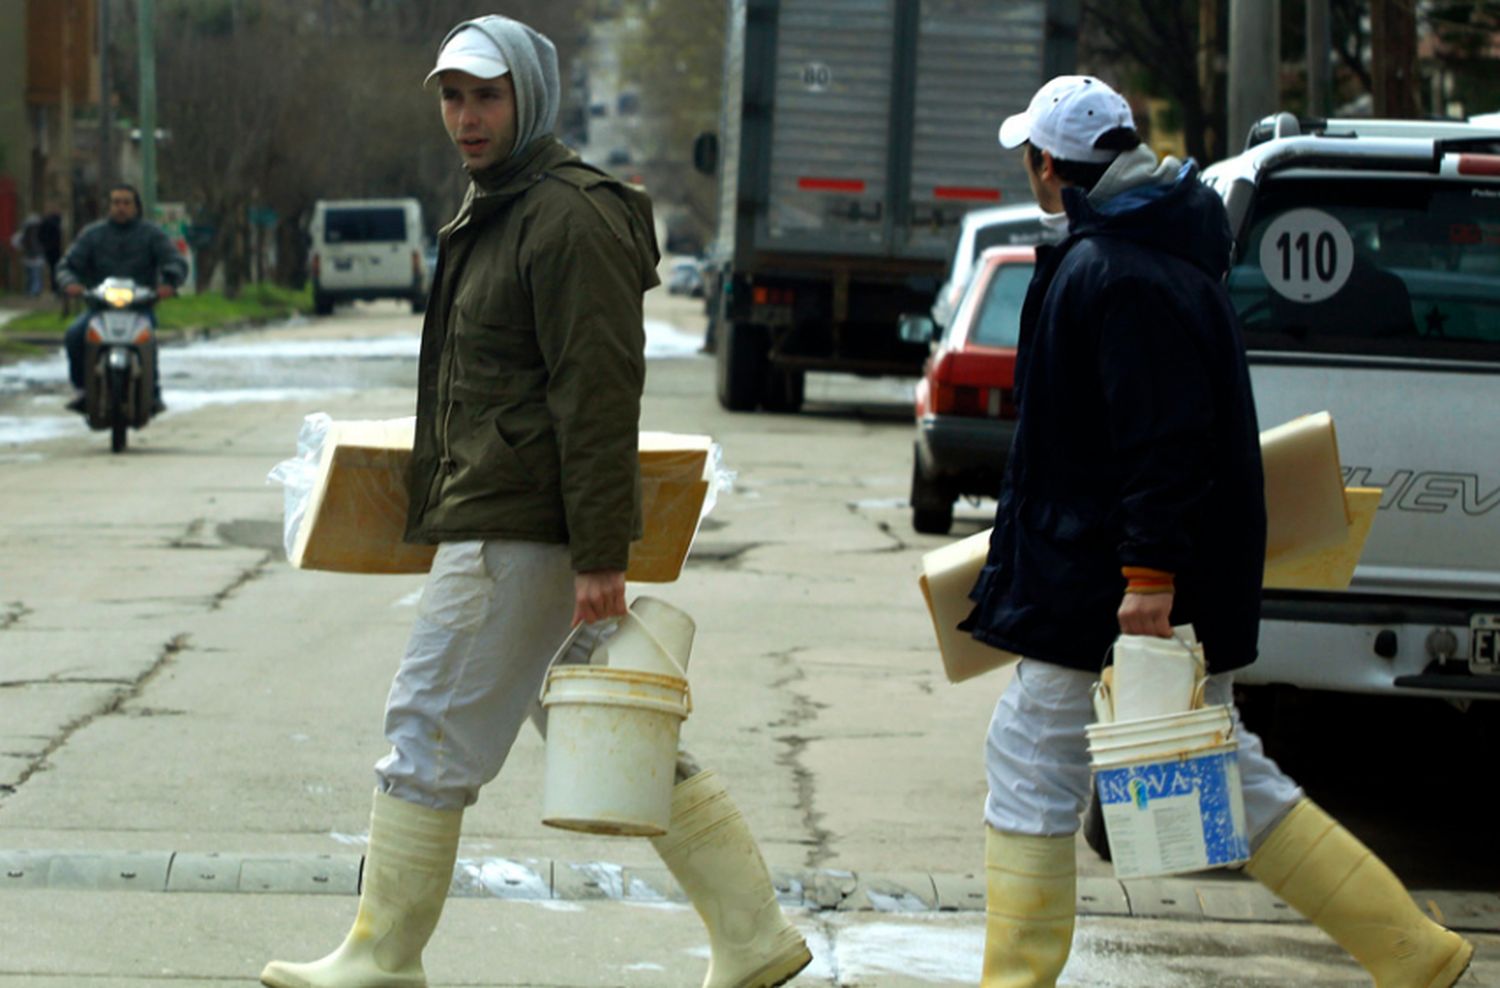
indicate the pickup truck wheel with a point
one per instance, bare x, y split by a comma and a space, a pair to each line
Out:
784, 390
322, 304
740, 359
931, 504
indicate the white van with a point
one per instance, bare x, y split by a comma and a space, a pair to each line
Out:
367, 249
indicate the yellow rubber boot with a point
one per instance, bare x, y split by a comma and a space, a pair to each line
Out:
1328, 876
408, 869
710, 851
1031, 890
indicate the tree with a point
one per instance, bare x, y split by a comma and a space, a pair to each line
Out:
276, 105
1157, 41
674, 53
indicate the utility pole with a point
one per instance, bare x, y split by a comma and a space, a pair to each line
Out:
106, 115
146, 20
1254, 64
1393, 61
1318, 75
1208, 75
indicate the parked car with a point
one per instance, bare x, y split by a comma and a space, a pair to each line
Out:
965, 408
366, 249
981, 229
685, 277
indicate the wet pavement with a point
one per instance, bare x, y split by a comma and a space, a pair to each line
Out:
186, 723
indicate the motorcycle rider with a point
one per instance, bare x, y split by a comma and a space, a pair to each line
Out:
123, 245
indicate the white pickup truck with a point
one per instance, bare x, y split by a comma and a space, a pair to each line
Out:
1367, 279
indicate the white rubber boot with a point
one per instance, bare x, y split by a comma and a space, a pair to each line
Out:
711, 853
406, 876
1031, 893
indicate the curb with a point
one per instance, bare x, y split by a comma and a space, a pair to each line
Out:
539, 879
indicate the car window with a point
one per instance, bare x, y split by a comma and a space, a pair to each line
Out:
353, 226
999, 322
1392, 267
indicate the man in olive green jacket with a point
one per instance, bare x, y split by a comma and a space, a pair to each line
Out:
525, 473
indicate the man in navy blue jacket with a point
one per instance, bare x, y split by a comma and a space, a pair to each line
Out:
1134, 502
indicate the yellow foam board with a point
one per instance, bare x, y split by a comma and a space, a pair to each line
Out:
1315, 532
675, 475
356, 514
1330, 568
948, 574
1305, 507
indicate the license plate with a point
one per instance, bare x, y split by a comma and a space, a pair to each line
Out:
1484, 644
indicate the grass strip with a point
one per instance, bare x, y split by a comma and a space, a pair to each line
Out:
188, 311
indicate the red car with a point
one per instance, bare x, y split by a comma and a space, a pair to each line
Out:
966, 413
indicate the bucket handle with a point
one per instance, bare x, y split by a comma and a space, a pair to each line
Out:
567, 643
562, 650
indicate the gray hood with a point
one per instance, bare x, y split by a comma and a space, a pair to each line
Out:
533, 70
1131, 169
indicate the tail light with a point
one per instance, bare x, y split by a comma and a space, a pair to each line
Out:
416, 264
955, 393
316, 265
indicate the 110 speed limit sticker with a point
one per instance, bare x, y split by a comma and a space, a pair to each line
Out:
1306, 255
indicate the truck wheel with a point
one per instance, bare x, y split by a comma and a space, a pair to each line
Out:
418, 304
741, 364
784, 390
931, 504
322, 304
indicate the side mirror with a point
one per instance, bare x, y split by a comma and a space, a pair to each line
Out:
916, 328
706, 153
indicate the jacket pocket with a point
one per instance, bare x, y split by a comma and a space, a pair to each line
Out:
484, 459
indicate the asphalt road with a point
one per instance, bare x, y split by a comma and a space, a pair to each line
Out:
177, 702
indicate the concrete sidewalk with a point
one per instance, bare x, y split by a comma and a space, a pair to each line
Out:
128, 940
215, 918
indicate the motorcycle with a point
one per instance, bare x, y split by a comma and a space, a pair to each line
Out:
120, 358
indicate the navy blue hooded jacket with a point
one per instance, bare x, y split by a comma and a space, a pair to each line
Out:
1137, 443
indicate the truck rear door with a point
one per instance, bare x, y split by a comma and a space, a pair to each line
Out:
885, 115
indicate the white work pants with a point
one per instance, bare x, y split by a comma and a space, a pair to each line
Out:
1037, 757
491, 616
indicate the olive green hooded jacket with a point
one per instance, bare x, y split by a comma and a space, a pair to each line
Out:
532, 365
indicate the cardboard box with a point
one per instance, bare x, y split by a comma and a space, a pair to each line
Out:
356, 513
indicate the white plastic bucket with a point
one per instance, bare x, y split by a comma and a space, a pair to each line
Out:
1169, 789
611, 749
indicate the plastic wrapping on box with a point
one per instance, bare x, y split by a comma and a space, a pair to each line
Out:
298, 476
345, 498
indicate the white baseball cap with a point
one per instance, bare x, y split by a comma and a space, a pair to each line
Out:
1066, 117
470, 50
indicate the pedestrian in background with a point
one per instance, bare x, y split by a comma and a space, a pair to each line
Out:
27, 242
525, 473
1134, 501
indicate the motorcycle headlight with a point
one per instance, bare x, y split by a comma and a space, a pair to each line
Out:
119, 297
